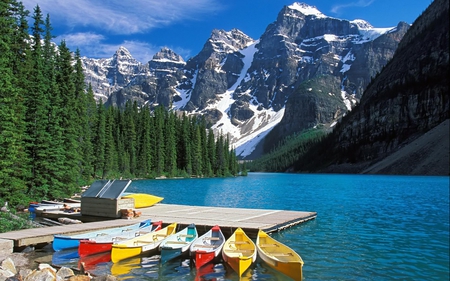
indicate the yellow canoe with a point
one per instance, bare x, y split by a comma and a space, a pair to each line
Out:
143, 200
140, 245
279, 256
239, 251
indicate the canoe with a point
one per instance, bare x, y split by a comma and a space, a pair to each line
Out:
207, 247
178, 244
104, 243
41, 208
239, 251
142, 200
279, 256
141, 245
90, 262
61, 242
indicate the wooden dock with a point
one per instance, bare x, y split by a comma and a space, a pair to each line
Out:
250, 220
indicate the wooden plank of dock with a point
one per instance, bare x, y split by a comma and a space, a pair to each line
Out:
202, 216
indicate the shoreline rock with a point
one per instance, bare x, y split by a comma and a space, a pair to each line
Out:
19, 267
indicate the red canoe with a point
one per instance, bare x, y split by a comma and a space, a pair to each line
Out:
207, 247
102, 244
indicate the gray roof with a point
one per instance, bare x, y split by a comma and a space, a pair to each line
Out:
107, 189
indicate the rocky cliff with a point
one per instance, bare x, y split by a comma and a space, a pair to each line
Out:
405, 100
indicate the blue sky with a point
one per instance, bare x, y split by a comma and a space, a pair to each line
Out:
99, 27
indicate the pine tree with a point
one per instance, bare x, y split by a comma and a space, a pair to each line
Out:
196, 145
37, 104
56, 142
110, 164
170, 145
184, 146
65, 81
211, 151
83, 127
99, 140
160, 116
144, 143
12, 186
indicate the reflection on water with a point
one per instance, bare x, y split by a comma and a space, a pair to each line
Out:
150, 268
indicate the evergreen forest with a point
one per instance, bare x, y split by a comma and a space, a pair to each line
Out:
284, 155
55, 138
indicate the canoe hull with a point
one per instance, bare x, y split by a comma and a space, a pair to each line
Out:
104, 244
207, 248
279, 256
61, 242
121, 252
178, 244
202, 258
142, 200
88, 247
239, 251
168, 254
239, 264
141, 245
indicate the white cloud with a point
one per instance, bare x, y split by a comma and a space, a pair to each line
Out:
123, 17
336, 9
94, 45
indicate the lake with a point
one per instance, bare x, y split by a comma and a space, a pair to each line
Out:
368, 227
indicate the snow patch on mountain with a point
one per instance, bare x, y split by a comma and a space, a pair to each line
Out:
306, 9
368, 32
261, 123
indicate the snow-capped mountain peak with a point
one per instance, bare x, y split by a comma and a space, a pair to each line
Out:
229, 41
123, 53
362, 24
306, 9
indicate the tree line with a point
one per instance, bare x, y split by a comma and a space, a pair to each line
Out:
55, 138
283, 156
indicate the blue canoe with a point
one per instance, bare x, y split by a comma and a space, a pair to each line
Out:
178, 244
62, 242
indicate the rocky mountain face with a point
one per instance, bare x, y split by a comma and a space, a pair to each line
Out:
305, 70
409, 97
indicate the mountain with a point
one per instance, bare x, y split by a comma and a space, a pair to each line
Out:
306, 70
401, 125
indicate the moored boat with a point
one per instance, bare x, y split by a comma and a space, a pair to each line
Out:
62, 242
178, 243
239, 251
104, 243
207, 247
279, 256
141, 245
143, 200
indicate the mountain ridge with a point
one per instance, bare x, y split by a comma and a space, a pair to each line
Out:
258, 77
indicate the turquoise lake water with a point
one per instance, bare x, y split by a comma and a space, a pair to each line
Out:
367, 227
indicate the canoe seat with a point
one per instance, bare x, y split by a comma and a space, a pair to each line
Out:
142, 241
176, 242
102, 234
280, 254
269, 245
119, 238
205, 246
239, 242
211, 238
239, 251
186, 235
